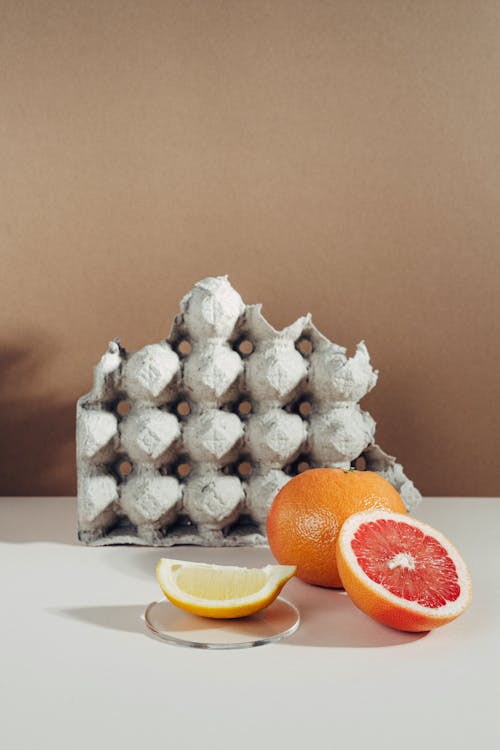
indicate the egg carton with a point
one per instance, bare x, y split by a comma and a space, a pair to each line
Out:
187, 441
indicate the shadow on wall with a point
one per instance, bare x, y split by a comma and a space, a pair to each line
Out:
36, 429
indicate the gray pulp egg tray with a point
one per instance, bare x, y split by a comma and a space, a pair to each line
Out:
188, 441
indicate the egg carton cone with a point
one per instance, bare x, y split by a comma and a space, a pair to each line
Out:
187, 441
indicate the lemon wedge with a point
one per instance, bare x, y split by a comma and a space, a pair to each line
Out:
221, 591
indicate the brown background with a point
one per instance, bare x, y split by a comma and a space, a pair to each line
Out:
341, 158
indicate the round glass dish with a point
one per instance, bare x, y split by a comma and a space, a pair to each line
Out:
172, 625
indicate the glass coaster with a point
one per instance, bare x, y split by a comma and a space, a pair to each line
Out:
279, 620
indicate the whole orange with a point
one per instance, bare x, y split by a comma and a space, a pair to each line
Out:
306, 515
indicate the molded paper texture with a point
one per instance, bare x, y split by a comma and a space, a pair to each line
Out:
188, 441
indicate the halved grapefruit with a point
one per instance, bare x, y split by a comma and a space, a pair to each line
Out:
401, 571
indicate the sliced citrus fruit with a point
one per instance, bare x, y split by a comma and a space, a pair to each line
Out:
221, 591
401, 571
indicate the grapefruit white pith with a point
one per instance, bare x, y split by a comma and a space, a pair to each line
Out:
401, 571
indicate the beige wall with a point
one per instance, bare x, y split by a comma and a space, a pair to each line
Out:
336, 157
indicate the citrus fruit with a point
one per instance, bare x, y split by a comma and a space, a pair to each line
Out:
221, 591
401, 571
306, 515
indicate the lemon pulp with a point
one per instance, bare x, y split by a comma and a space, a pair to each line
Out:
221, 591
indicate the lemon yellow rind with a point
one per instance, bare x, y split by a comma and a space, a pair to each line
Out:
279, 575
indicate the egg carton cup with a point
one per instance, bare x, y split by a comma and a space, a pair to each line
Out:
187, 441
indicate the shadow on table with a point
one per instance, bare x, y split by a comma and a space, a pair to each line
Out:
328, 616
127, 617
331, 621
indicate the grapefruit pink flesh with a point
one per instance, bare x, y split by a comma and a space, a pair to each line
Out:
407, 562
401, 571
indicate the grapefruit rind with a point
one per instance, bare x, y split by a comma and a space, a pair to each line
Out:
380, 603
260, 587
306, 515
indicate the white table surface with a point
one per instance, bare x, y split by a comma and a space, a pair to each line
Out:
78, 670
